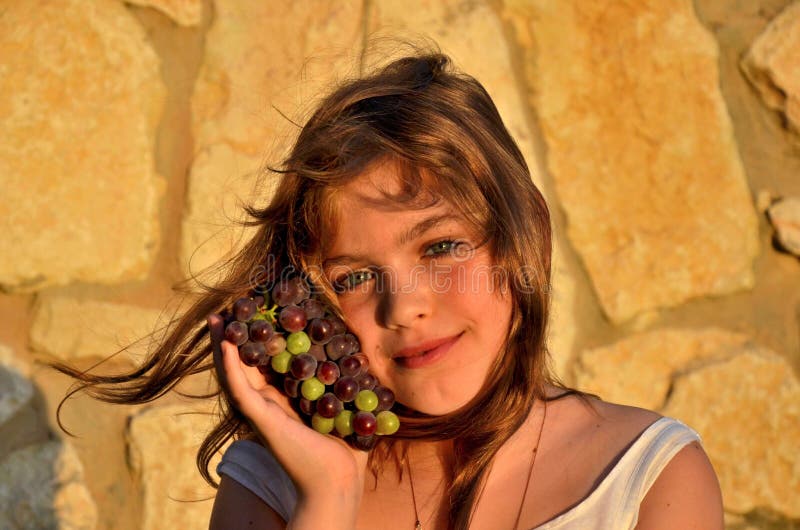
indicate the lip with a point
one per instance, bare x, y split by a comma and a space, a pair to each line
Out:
425, 353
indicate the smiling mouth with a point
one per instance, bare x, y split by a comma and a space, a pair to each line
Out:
425, 354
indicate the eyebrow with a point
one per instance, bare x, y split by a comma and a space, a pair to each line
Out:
409, 235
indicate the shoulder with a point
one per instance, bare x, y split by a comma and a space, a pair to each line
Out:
686, 494
592, 420
235, 506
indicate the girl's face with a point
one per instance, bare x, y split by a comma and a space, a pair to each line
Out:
418, 292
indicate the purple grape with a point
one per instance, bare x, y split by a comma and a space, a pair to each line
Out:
346, 388
318, 352
290, 291
385, 398
328, 372
284, 292
259, 300
320, 330
303, 366
337, 347
260, 331
338, 326
312, 308
244, 309
292, 318
307, 406
291, 386
236, 332
364, 423
352, 343
252, 353
366, 381
365, 443
363, 359
275, 345
350, 366
328, 406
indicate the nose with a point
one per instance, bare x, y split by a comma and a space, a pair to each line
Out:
404, 301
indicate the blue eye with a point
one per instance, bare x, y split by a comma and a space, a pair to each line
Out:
353, 279
439, 248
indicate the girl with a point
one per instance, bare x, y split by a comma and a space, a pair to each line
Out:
409, 206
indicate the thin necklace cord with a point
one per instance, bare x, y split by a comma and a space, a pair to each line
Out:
418, 525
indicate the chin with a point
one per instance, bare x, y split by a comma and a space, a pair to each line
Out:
438, 408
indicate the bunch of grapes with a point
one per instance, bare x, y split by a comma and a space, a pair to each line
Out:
306, 351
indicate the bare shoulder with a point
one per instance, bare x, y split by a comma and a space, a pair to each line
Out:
685, 495
237, 507
617, 425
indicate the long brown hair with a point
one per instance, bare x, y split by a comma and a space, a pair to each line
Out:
443, 129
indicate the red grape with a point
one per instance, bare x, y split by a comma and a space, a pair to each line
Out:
252, 353
312, 308
328, 406
337, 347
303, 366
338, 326
244, 309
307, 406
364, 423
292, 318
385, 398
350, 366
366, 381
318, 352
291, 386
328, 372
275, 345
346, 388
365, 443
260, 331
236, 332
320, 330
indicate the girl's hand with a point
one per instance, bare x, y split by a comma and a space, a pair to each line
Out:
328, 473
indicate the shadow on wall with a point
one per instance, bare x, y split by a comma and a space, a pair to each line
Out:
41, 477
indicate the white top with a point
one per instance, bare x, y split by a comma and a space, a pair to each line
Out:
612, 505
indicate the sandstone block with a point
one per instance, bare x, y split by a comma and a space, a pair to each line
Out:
747, 410
772, 64
82, 97
246, 83
16, 390
641, 149
20, 421
163, 442
785, 218
42, 486
639, 369
486, 56
183, 12
70, 328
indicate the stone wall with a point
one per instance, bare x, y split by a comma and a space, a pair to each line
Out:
665, 135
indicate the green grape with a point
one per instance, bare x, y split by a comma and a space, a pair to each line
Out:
366, 400
280, 362
321, 424
312, 389
344, 422
298, 342
388, 422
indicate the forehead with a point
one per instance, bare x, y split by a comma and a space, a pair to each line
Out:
382, 199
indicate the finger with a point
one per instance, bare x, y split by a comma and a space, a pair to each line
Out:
217, 333
263, 413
